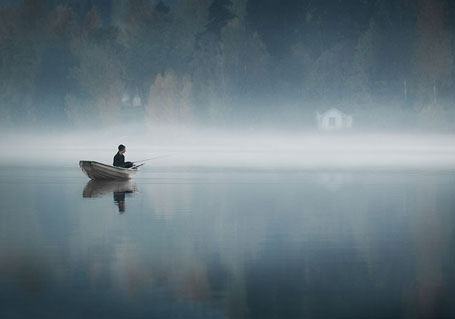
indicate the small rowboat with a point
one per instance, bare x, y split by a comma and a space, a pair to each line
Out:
96, 170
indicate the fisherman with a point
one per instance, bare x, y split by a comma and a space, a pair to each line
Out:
119, 158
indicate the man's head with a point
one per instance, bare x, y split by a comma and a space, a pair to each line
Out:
121, 149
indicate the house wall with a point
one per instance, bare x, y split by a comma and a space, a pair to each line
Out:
333, 120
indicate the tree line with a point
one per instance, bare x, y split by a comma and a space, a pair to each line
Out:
390, 63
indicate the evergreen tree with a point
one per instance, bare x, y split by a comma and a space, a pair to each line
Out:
220, 13
56, 60
99, 75
434, 61
146, 38
276, 22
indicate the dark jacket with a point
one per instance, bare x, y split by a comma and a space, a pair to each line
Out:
119, 161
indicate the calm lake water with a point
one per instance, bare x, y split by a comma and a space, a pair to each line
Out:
228, 243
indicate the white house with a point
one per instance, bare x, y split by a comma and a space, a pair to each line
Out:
333, 119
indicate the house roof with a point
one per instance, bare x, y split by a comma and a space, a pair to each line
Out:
333, 109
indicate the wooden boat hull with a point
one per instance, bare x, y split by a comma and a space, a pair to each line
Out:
99, 171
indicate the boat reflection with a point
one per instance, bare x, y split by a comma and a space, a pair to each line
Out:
119, 189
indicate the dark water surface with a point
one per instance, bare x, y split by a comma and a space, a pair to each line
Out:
227, 244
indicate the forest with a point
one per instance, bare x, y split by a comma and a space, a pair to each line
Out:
227, 63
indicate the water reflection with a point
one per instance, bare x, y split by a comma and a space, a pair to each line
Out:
344, 245
119, 189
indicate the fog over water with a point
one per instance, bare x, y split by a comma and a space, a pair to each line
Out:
255, 150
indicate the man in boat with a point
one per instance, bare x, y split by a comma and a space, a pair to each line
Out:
119, 158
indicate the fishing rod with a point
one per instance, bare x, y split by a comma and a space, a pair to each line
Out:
148, 159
